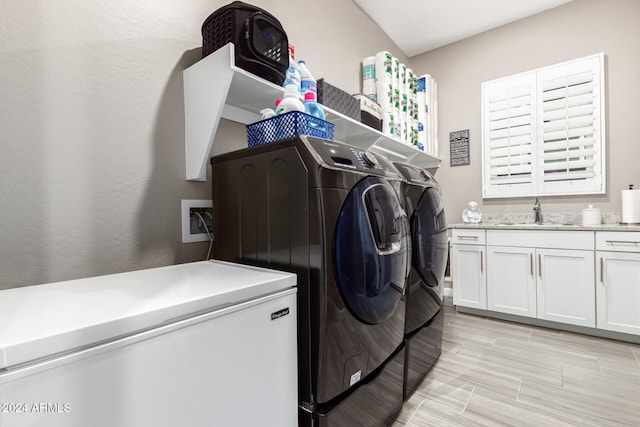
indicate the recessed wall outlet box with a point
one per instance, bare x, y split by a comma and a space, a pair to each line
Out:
197, 219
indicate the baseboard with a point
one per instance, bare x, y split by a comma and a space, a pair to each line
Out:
552, 325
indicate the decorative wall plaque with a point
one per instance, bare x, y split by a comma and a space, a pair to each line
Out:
459, 147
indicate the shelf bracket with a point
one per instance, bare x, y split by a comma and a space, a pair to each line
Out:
206, 86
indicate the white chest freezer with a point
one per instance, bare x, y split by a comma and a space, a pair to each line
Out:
201, 344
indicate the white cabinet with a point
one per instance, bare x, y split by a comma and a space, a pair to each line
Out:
585, 278
618, 281
565, 286
543, 274
468, 268
511, 281
215, 88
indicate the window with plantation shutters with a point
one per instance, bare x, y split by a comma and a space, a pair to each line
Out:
543, 131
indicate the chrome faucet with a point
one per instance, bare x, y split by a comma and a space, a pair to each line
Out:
538, 212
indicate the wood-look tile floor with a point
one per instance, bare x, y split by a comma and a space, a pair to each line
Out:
497, 373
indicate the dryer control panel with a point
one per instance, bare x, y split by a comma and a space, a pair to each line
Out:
346, 156
414, 174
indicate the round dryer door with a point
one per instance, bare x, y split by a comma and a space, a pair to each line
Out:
370, 250
430, 242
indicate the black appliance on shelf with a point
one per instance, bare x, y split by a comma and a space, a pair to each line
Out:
424, 291
261, 44
330, 213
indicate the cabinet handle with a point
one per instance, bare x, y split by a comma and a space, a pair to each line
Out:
467, 237
602, 270
481, 262
531, 263
539, 265
624, 242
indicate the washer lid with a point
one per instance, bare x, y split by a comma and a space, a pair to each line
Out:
41, 321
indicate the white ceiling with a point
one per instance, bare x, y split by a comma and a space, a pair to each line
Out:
418, 26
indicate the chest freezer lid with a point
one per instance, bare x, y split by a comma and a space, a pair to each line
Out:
40, 321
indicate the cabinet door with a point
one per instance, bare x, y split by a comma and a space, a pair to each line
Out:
511, 281
565, 286
468, 267
618, 291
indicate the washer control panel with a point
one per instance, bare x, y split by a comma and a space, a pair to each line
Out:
345, 156
368, 159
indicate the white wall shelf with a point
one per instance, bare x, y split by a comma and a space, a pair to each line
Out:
215, 88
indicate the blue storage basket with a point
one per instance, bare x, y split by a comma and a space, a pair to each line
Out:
288, 125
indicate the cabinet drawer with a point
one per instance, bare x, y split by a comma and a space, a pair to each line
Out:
466, 236
552, 239
618, 241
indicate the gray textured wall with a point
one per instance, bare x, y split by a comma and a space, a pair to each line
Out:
92, 125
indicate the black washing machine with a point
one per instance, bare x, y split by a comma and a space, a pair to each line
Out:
328, 212
425, 285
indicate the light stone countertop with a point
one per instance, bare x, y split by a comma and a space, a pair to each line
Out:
547, 226
552, 221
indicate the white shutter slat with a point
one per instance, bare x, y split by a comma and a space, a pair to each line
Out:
582, 122
569, 177
574, 101
510, 180
524, 139
498, 105
504, 113
498, 115
568, 91
571, 80
568, 144
519, 169
577, 111
575, 79
512, 150
568, 133
512, 132
509, 160
556, 155
568, 164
